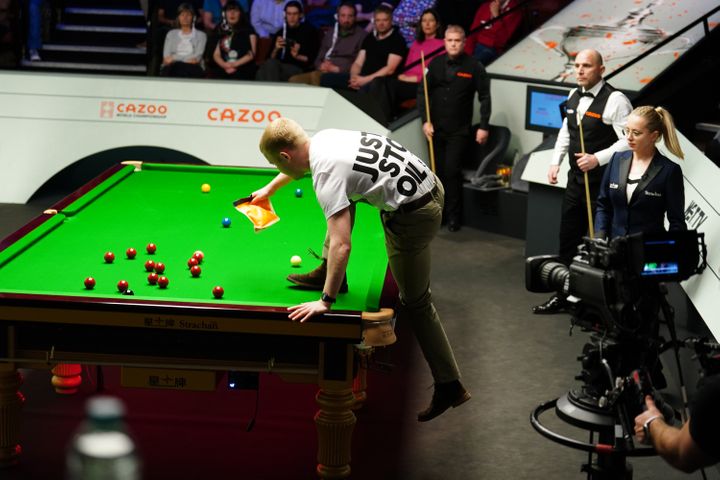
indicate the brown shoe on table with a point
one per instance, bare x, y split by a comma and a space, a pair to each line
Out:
446, 395
315, 280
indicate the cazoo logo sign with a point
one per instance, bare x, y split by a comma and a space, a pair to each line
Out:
241, 115
111, 109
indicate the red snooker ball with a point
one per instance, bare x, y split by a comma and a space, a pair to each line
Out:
218, 292
163, 282
199, 255
159, 267
153, 278
192, 262
122, 285
131, 252
109, 257
151, 248
89, 283
195, 270
149, 266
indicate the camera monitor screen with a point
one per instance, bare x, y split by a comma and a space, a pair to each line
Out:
544, 109
659, 258
669, 256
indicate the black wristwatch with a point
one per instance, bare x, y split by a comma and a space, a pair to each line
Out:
327, 298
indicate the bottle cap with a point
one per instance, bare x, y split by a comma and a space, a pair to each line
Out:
105, 408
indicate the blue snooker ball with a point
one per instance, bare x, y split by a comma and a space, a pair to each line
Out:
226, 222
298, 192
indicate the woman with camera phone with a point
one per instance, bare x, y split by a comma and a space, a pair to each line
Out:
641, 186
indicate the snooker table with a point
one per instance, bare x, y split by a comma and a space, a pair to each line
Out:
49, 319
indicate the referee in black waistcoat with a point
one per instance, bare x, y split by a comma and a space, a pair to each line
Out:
452, 80
603, 111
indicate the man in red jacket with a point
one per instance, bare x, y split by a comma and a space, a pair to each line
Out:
486, 42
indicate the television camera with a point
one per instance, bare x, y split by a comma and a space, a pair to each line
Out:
616, 293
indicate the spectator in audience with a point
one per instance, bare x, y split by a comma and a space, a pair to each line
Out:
184, 47
167, 11
212, 12
237, 44
380, 56
428, 40
366, 12
407, 14
487, 42
339, 48
266, 17
295, 47
452, 81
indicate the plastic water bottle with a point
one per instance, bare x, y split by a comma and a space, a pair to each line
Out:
102, 448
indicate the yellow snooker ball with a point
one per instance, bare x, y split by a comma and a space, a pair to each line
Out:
205, 187
295, 260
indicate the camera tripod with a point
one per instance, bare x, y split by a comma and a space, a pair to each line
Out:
605, 405
613, 447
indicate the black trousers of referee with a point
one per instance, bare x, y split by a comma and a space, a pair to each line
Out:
450, 150
574, 219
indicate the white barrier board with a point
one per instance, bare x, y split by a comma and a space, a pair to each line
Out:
50, 121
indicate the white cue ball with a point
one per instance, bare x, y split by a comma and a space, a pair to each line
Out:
295, 260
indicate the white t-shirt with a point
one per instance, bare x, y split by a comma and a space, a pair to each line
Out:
347, 165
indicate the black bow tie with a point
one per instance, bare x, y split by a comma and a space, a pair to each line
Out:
587, 94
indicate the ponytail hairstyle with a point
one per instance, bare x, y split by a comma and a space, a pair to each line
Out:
659, 120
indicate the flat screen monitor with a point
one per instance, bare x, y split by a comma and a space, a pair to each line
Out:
544, 109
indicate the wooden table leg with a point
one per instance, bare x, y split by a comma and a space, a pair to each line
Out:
363, 353
335, 422
11, 402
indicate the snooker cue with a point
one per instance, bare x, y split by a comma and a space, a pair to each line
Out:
591, 228
427, 110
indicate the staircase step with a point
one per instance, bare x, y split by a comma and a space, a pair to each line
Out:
99, 35
120, 4
104, 17
98, 67
99, 29
94, 54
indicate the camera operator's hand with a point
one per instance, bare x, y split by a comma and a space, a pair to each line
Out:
651, 415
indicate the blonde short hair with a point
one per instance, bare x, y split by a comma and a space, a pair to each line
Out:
282, 134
